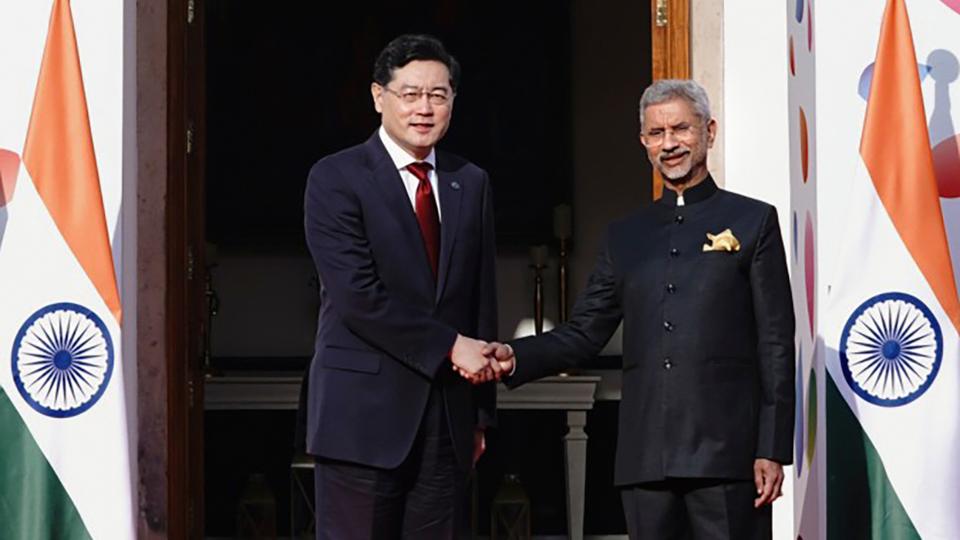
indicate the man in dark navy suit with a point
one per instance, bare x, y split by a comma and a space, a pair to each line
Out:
403, 241
699, 280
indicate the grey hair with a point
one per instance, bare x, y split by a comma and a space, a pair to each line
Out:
669, 89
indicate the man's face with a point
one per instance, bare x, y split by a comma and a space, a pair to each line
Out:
416, 126
677, 141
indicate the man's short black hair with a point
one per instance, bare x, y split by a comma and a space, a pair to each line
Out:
409, 47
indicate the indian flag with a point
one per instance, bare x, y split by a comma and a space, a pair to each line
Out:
64, 458
890, 326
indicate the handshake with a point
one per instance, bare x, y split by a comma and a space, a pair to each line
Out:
479, 361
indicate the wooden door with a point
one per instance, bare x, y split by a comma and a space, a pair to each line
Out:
186, 301
670, 36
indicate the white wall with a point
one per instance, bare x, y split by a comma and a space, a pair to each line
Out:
706, 67
756, 150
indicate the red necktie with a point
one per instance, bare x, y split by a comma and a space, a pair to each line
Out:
427, 216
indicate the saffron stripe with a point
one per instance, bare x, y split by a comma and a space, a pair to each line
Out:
895, 147
59, 156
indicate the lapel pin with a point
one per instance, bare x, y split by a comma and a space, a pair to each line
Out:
455, 185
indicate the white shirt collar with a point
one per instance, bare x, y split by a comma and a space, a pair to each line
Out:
400, 156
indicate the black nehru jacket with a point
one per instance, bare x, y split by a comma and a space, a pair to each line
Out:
708, 372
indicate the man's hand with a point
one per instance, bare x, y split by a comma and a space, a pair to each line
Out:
502, 359
768, 477
469, 361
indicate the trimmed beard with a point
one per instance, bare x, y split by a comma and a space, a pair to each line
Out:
678, 179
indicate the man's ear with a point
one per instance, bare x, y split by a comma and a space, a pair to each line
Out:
377, 92
711, 132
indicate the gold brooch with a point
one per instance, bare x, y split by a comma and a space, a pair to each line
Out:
724, 241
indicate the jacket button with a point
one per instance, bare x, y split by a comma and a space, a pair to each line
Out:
671, 288
668, 326
667, 364
678, 219
674, 252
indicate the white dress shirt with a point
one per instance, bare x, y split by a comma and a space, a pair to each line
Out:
401, 159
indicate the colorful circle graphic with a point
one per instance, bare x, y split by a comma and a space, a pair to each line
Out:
809, 270
793, 63
9, 166
946, 163
952, 4
811, 416
794, 237
798, 434
804, 146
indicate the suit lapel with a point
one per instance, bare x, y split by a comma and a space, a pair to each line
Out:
387, 180
450, 186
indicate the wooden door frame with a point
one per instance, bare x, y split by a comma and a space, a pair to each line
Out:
151, 262
170, 259
670, 48
169, 274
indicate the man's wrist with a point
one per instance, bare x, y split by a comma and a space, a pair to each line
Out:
453, 346
514, 356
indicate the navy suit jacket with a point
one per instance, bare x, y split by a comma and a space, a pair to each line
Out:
386, 326
708, 338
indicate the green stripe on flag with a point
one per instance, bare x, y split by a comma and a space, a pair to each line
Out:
33, 503
861, 503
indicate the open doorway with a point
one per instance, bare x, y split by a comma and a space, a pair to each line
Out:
276, 90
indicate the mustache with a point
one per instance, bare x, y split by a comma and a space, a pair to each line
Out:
673, 153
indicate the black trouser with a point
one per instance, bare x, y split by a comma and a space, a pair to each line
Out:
695, 509
422, 498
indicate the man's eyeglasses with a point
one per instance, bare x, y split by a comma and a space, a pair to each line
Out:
656, 136
411, 96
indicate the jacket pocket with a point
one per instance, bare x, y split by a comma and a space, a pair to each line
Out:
722, 261
351, 359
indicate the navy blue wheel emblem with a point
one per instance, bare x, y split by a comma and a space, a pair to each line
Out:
62, 359
890, 349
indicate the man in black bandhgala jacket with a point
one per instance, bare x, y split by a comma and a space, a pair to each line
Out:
700, 282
